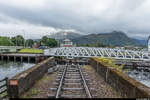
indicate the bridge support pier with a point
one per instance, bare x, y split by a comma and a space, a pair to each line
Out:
2, 58
36, 60
28, 59
14, 59
21, 59
7, 58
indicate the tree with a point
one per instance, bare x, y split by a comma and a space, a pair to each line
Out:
48, 41
18, 40
5, 41
29, 42
97, 44
87, 45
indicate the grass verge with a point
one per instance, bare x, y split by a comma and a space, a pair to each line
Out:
2, 95
39, 88
31, 50
111, 63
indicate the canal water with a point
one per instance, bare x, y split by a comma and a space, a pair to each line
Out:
10, 69
141, 74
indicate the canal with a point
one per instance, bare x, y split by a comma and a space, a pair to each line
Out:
10, 69
140, 74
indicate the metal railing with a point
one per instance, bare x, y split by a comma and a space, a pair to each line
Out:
4, 88
99, 52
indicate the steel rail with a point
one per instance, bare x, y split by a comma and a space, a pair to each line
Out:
84, 84
61, 82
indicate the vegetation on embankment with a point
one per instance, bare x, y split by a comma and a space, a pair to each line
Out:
41, 88
125, 86
19, 40
31, 50
3, 94
5, 41
110, 63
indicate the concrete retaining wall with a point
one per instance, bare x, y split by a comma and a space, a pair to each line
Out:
126, 86
25, 80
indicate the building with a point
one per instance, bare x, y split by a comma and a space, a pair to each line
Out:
35, 45
66, 43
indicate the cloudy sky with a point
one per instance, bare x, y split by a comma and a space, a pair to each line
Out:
35, 18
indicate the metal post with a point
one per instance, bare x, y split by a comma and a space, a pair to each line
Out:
28, 59
14, 59
8, 58
16, 42
21, 59
24, 37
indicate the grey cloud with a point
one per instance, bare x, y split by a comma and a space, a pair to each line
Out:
123, 15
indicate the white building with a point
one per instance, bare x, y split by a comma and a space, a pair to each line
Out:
66, 43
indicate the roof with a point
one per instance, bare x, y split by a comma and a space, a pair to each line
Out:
66, 40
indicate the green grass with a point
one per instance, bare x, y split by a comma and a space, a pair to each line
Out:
30, 50
37, 89
111, 63
33, 92
2, 95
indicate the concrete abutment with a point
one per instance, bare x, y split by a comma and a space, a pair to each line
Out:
125, 86
25, 80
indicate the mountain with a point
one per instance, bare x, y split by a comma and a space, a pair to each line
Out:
36, 40
115, 38
65, 34
142, 42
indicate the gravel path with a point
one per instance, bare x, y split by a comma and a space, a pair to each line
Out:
41, 88
103, 90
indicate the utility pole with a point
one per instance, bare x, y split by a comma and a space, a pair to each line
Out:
24, 37
16, 41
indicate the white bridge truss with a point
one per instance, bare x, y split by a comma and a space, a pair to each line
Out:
98, 52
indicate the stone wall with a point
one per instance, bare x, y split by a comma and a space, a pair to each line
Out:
25, 80
126, 86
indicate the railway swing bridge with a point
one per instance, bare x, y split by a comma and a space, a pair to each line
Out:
72, 81
98, 52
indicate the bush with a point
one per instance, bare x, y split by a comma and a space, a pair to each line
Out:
111, 63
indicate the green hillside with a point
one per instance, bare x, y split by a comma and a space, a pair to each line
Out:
114, 38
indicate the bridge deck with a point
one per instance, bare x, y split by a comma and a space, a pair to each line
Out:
98, 52
23, 55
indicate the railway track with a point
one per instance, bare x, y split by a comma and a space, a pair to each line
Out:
72, 82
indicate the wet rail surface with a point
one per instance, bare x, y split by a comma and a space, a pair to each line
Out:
72, 82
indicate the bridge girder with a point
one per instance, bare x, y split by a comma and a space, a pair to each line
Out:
98, 52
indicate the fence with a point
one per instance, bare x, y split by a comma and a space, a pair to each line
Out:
4, 88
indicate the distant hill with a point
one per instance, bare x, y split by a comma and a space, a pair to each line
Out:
63, 35
114, 38
36, 40
142, 42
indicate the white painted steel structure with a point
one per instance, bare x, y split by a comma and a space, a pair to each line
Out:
9, 48
98, 52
